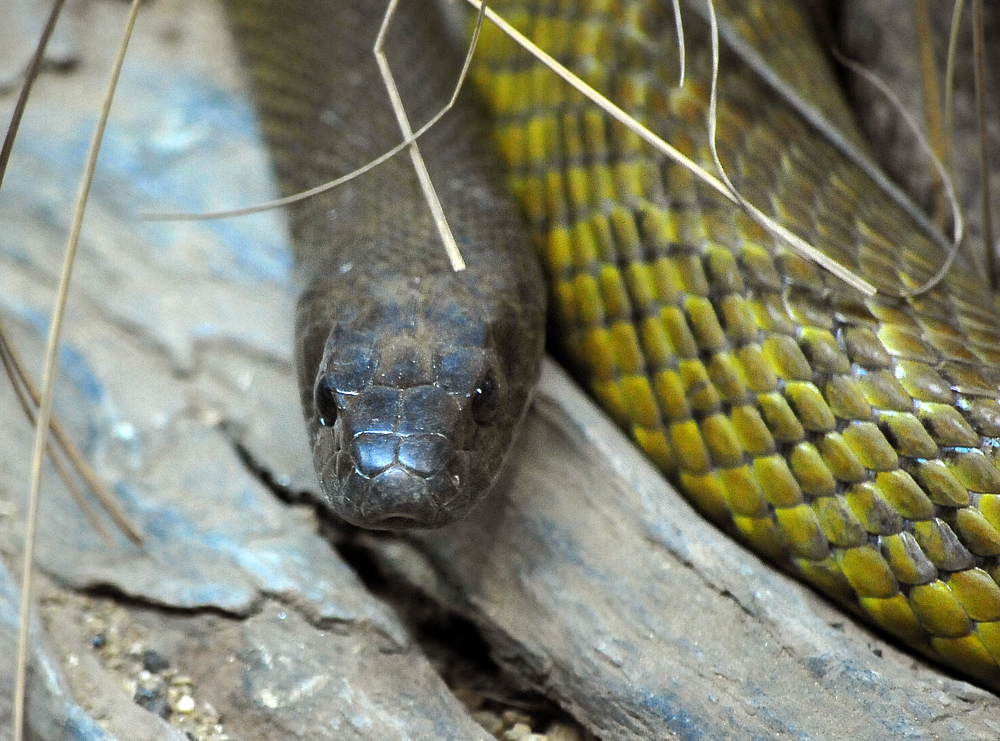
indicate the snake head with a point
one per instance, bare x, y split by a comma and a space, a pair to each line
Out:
414, 403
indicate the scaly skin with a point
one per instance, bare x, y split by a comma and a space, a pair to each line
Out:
850, 440
413, 377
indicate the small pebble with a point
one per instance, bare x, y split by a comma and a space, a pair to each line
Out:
514, 717
562, 732
184, 704
153, 701
521, 732
154, 662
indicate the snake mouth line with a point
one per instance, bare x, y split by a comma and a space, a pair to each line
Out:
396, 522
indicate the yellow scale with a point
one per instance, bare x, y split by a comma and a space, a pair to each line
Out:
850, 440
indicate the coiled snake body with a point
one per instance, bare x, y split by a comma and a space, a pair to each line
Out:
850, 440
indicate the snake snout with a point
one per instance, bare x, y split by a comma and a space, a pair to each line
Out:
397, 459
397, 481
399, 496
410, 424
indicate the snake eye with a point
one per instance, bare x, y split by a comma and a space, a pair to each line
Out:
486, 399
325, 401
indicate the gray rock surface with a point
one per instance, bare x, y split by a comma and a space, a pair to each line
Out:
174, 329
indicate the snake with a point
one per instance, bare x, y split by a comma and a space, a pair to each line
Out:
848, 438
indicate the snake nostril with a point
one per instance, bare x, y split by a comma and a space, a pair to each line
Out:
345, 464
486, 399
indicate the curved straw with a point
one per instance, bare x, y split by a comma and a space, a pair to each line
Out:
48, 377
958, 229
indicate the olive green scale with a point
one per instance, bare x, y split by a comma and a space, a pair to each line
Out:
851, 440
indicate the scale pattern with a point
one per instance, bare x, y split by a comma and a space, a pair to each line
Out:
850, 440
